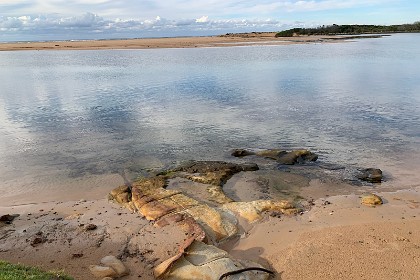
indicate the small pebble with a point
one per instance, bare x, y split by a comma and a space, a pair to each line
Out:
91, 227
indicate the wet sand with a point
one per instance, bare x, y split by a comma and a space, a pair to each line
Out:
247, 39
337, 239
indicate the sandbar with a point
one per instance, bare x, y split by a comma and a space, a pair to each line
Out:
228, 40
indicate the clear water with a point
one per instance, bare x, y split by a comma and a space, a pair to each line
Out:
71, 120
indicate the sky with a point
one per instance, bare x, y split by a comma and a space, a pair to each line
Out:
39, 20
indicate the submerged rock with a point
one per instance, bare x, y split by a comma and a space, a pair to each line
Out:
213, 172
281, 156
372, 175
241, 153
371, 199
297, 156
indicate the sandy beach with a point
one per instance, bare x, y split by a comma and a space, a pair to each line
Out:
336, 238
247, 39
341, 240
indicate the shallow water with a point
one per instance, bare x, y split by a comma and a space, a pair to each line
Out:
86, 121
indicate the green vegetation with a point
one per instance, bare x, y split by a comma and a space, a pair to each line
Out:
350, 29
20, 272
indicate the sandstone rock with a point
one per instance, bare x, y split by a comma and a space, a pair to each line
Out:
251, 211
121, 194
372, 175
156, 203
371, 199
102, 271
198, 220
202, 261
217, 195
115, 264
107, 278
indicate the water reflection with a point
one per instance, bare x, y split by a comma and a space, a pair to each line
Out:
77, 113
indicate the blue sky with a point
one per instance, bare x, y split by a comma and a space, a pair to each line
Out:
25, 20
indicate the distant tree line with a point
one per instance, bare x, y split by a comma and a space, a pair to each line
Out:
350, 29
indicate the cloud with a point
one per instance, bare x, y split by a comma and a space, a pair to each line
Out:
180, 8
68, 19
203, 19
85, 20
87, 24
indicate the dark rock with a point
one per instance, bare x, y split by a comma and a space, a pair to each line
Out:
38, 240
213, 172
281, 156
241, 153
91, 227
8, 218
214, 166
372, 175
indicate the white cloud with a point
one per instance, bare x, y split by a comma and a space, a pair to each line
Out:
89, 23
85, 20
180, 8
202, 19
134, 18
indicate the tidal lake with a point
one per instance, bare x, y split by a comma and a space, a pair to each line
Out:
75, 122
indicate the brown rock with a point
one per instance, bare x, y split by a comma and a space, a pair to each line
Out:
122, 194
372, 175
296, 156
158, 204
273, 154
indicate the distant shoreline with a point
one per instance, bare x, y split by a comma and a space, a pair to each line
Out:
231, 39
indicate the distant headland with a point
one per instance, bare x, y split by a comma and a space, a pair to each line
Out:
353, 29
